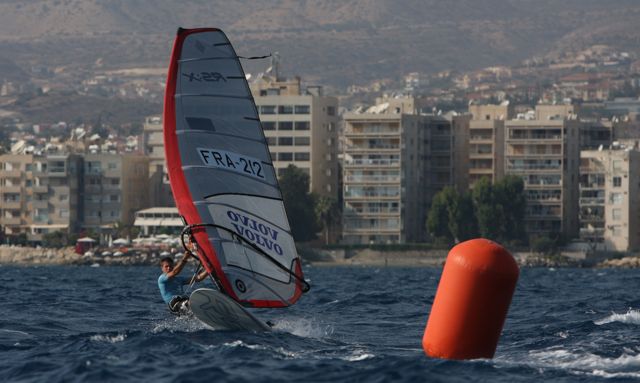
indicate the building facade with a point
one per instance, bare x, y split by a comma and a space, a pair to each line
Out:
153, 144
115, 187
610, 199
40, 194
393, 164
301, 128
545, 153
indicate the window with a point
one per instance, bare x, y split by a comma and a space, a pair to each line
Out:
272, 141
616, 231
331, 111
63, 213
285, 141
617, 182
268, 125
615, 198
63, 197
285, 125
268, 109
302, 141
616, 214
302, 125
301, 156
617, 165
112, 165
302, 109
285, 156
285, 109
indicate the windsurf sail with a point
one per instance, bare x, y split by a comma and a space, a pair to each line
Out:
222, 176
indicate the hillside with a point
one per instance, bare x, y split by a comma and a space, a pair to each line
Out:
327, 41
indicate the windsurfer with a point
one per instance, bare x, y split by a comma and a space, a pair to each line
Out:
171, 284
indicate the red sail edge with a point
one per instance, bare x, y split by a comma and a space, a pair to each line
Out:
179, 187
182, 195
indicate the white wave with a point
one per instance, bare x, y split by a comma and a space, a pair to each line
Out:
303, 327
358, 355
14, 332
108, 338
179, 323
286, 354
626, 365
630, 317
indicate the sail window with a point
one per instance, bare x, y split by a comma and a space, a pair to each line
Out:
197, 123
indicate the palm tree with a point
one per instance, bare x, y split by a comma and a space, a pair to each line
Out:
327, 212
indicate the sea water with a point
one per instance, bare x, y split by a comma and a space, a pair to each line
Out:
356, 324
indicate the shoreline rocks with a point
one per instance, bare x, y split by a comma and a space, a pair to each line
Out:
29, 256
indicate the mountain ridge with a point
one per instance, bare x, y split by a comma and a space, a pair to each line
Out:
329, 41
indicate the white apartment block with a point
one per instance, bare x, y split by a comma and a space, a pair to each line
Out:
545, 153
393, 164
300, 126
153, 144
39, 194
610, 199
115, 187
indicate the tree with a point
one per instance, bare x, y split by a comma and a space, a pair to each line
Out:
327, 211
509, 193
299, 203
438, 218
489, 214
55, 239
451, 216
462, 219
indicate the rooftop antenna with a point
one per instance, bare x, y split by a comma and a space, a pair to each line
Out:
275, 65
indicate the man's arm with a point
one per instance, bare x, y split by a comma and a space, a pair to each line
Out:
200, 277
176, 270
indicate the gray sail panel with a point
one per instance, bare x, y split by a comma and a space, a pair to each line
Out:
226, 163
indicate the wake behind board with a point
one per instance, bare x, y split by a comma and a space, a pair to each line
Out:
223, 313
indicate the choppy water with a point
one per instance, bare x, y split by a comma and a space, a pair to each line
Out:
356, 324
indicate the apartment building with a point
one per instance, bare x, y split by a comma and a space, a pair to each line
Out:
610, 199
545, 153
393, 164
486, 141
39, 194
115, 187
301, 128
153, 144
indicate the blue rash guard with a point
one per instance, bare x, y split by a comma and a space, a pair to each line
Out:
170, 287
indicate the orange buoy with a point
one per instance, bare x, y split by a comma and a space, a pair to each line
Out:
472, 300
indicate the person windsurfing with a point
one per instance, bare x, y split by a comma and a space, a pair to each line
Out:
171, 284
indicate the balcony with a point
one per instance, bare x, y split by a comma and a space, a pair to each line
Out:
373, 132
10, 190
590, 218
39, 204
591, 233
13, 205
372, 179
40, 189
481, 170
372, 162
11, 174
591, 201
10, 221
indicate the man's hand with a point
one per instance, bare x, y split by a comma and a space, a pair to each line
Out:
192, 247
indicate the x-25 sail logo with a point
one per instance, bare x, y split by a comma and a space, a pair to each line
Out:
205, 76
